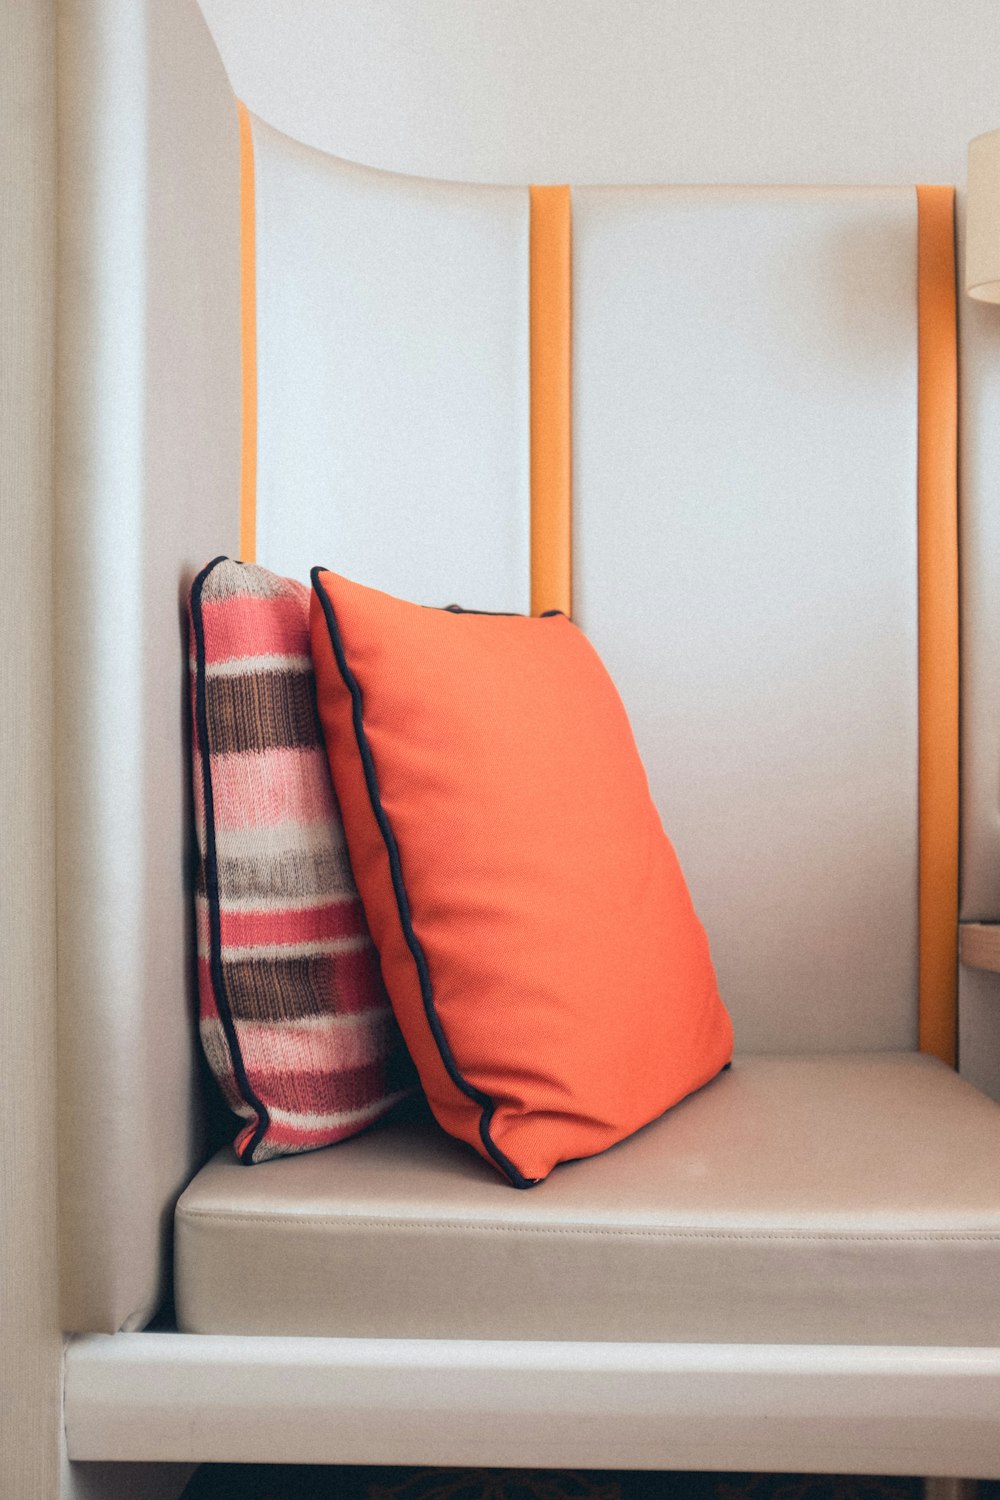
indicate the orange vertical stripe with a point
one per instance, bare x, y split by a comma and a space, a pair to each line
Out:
248, 321
550, 305
937, 571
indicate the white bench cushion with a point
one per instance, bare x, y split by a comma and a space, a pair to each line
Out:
841, 1199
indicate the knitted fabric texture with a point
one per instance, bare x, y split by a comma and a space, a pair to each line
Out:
294, 1019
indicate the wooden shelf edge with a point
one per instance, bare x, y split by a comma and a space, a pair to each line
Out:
979, 945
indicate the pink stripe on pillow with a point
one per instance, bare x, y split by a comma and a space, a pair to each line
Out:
337, 919
207, 1008
287, 1134
277, 785
332, 1042
255, 627
309, 1093
329, 928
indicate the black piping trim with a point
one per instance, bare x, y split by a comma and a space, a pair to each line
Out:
460, 609
212, 873
505, 614
486, 1104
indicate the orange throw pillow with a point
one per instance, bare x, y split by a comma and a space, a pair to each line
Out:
537, 939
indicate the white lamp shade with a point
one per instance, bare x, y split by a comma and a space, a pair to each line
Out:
982, 243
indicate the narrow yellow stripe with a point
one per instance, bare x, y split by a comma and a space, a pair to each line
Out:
937, 572
248, 321
550, 305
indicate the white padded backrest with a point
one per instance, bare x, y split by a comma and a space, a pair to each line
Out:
148, 486
392, 360
745, 403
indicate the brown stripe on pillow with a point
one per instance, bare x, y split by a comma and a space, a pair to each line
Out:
291, 877
286, 989
275, 710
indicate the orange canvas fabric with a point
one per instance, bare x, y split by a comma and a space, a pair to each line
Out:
536, 935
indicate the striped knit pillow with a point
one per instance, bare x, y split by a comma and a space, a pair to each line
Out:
294, 1019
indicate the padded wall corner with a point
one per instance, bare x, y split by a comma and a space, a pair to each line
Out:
148, 403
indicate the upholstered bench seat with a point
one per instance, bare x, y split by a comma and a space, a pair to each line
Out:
838, 1199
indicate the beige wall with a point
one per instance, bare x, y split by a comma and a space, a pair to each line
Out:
30, 1349
624, 90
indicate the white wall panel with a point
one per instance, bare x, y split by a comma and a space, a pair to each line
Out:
745, 560
392, 357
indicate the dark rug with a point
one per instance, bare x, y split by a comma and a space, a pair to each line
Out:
309, 1482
